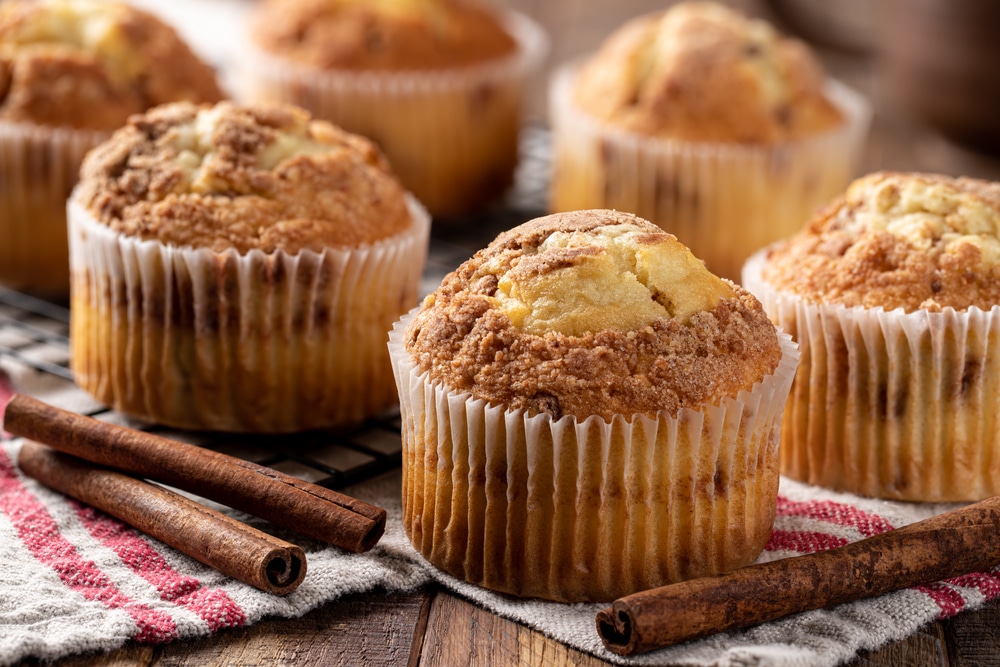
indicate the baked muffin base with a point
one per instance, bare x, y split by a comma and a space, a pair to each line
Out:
723, 201
38, 168
222, 341
450, 135
890, 404
586, 510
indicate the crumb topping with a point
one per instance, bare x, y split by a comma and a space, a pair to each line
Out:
619, 277
898, 240
242, 177
592, 313
702, 72
89, 64
385, 35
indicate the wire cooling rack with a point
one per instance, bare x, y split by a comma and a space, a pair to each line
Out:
34, 339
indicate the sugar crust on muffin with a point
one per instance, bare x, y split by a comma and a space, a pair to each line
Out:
383, 35
702, 72
88, 64
242, 177
592, 313
898, 240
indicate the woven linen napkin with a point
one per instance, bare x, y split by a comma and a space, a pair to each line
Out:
77, 580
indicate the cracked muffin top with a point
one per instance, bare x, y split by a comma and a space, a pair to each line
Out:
702, 72
243, 177
898, 240
89, 64
384, 35
592, 313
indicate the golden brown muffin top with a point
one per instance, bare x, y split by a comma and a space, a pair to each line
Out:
242, 177
384, 35
90, 64
702, 72
896, 240
592, 313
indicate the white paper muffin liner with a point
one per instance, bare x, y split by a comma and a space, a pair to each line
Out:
586, 510
261, 342
723, 201
451, 135
38, 168
887, 403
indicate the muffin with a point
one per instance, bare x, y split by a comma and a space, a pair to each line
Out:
236, 268
71, 72
707, 123
892, 292
436, 83
588, 412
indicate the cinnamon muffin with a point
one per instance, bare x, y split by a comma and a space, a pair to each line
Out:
436, 83
71, 72
710, 124
237, 267
893, 293
588, 412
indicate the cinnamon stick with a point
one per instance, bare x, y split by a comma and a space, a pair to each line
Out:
219, 541
284, 500
948, 545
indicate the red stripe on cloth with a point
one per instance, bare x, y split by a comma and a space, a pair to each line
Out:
216, 607
947, 598
212, 605
988, 583
838, 514
40, 534
802, 541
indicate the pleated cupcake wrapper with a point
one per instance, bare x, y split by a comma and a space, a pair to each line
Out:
586, 510
450, 135
887, 403
266, 342
723, 201
38, 168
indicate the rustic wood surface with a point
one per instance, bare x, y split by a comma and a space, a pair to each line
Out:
434, 627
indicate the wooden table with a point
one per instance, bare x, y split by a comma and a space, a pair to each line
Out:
434, 627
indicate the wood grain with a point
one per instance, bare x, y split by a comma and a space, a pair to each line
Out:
973, 638
132, 655
364, 630
460, 634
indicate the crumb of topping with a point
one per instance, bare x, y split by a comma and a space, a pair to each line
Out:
384, 35
89, 64
494, 327
700, 71
242, 177
619, 277
898, 240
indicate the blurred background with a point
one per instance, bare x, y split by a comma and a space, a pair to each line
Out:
930, 67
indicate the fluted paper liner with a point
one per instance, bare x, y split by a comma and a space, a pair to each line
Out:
264, 342
451, 135
586, 510
887, 403
38, 168
724, 201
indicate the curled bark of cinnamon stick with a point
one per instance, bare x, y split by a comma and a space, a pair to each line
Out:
284, 500
219, 541
948, 545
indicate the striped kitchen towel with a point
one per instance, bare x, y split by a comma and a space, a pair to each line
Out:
76, 580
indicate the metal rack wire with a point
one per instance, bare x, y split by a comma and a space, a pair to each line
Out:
34, 335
